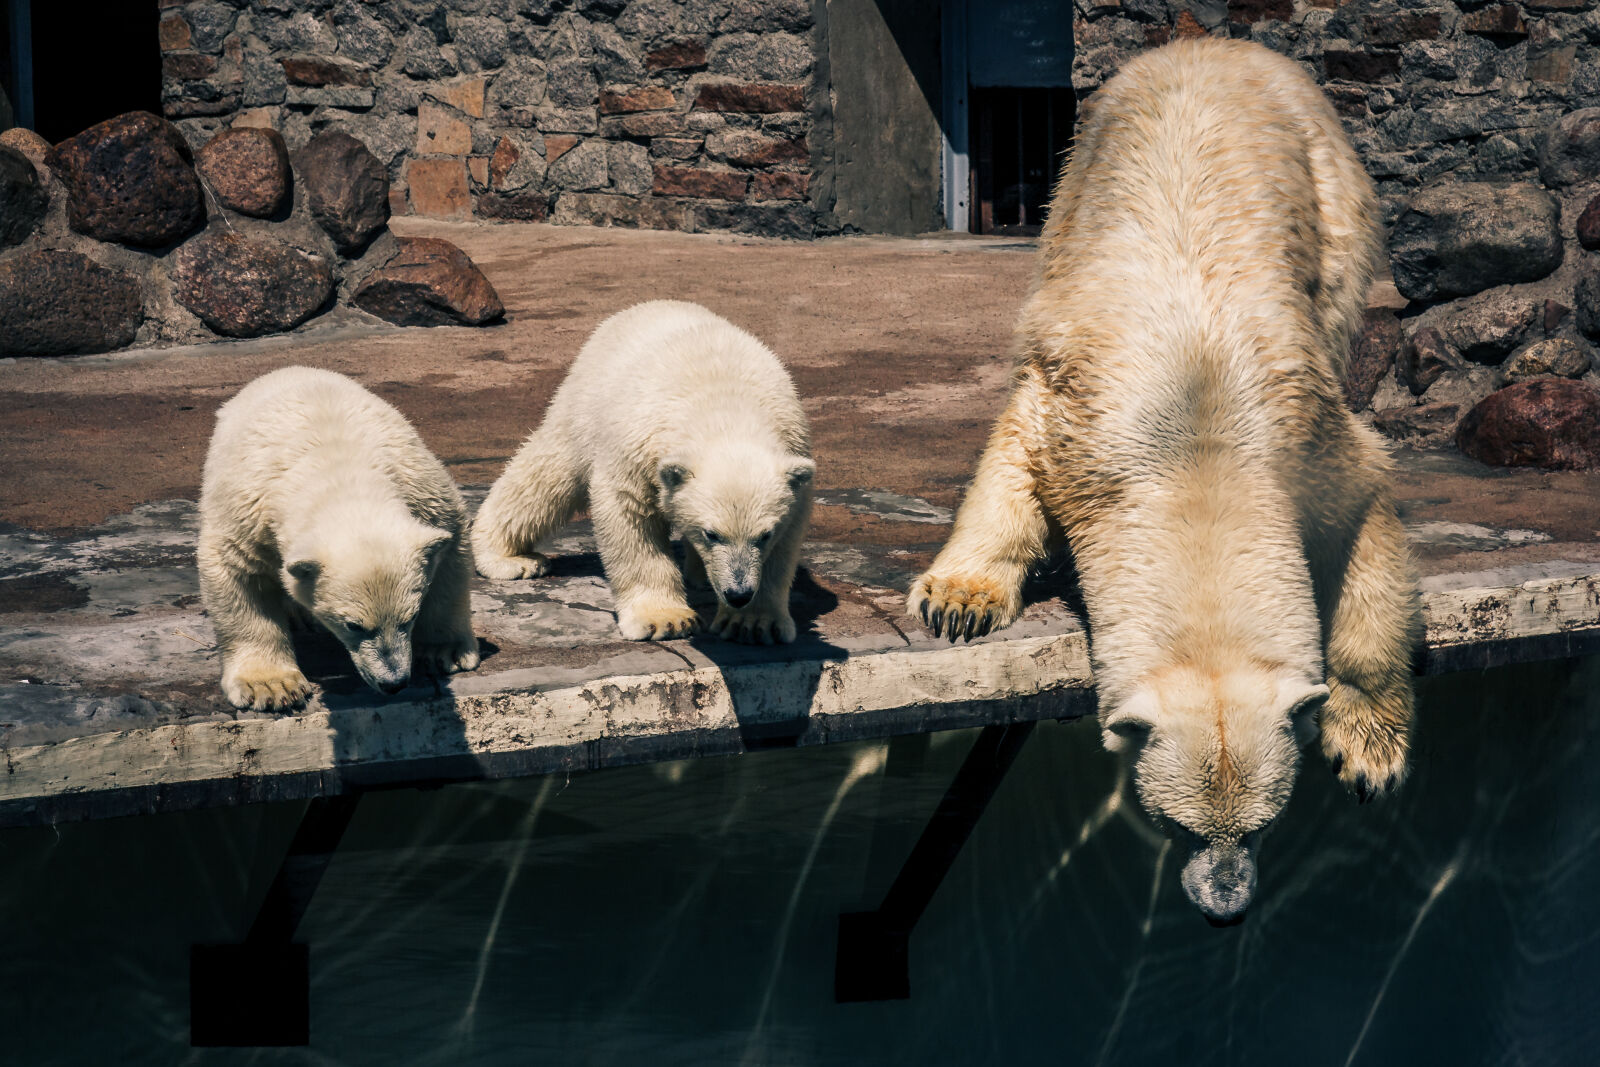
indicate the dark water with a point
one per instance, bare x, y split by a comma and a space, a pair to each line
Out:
687, 913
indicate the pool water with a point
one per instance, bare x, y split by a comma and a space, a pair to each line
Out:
687, 913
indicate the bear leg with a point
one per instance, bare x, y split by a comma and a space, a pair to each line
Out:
1366, 723
443, 642
540, 490
634, 549
975, 583
259, 672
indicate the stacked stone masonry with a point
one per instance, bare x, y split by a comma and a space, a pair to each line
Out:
683, 114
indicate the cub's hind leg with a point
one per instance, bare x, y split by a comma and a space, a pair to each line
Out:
975, 583
541, 488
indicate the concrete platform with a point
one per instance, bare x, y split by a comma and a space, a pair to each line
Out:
108, 697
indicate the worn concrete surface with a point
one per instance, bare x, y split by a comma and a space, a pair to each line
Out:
108, 696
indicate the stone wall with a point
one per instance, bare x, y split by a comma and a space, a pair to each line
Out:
682, 114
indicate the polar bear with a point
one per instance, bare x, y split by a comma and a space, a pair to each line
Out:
320, 500
671, 419
1177, 417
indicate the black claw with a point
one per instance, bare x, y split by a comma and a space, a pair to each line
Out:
1364, 791
986, 625
1338, 765
953, 629
924, 613
971, 629
936, 621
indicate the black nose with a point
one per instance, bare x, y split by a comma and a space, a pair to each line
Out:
1233, 920
391, 688
738, 598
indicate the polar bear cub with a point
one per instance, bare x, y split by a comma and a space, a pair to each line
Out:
671, 420
1177, 415
320, 499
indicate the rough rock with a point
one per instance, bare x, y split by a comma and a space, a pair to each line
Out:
245, 286
1485, 329
346, 187
248, 170
1372, 353
1424, 421
1426, 357
1549, 422
57, 303
129, 180
30, 144
1556, 357
429, 282
1589, 226
23, 200
1586, 299
1569, 149
1459, 238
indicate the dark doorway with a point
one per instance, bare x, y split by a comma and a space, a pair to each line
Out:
1018, 139
81, 63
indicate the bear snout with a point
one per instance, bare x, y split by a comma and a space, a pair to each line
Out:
740, 596
1221, 880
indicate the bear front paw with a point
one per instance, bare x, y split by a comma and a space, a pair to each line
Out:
657, 622
1365, 741
265, 689
963, 606
753, 627
510, 568
448, 658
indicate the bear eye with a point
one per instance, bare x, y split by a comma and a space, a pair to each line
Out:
711, 536
354, 627
764, 538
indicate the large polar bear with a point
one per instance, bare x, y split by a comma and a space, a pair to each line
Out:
671, 418
320, 499
1177, 415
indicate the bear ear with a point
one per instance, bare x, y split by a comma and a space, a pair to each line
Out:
434, 541
671, 475
304, 570
800, 472
1129, 725
1302, 702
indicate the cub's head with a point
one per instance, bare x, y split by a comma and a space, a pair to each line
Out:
733, 507
366, 586
1214, 760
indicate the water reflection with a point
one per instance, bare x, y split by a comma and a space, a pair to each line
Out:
688, 913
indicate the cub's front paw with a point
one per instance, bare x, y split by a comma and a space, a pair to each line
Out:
1367, 751
510, 568
751, 627
657, 622
449, 657
265, 689
964, 606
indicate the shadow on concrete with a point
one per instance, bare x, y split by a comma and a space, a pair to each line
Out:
1057, 579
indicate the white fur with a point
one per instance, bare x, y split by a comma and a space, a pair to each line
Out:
320, 499
671, 421
1178, 417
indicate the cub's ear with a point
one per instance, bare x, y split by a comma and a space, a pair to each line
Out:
671, 475
1129, 726
800, 472
434, 542
1302, 702
304, 570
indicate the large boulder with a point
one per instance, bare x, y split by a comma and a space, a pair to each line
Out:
30, 144
346, 186
1569, 149
248, 286
1554, 357
23, 200
1372, 355
429, 282
1485, 329
1548, 422
58, 303
248, 170
129, 180
1424, 359
1459, 238
1588, 228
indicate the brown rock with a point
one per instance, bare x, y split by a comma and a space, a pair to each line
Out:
1556, 357
1249, 12
173, 32
1424, 421
1549, 422
465, 96
248, 286
429, 282
1424, 359
505, 157
56, 303
558, 145
679, 55
248, 170
784, 185
478, 168
129, 179
651, 98
1186, 27
346, 187
1372, 353
440, 132
439, 188
758, 99
1398, 28
318, 70
23, 200
1500, 20
1589, 226
1554, 315
1345, 65
187, 66
530, 207
688, 181
30, 144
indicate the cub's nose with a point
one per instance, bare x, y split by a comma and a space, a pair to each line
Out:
391, 688
738, 598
